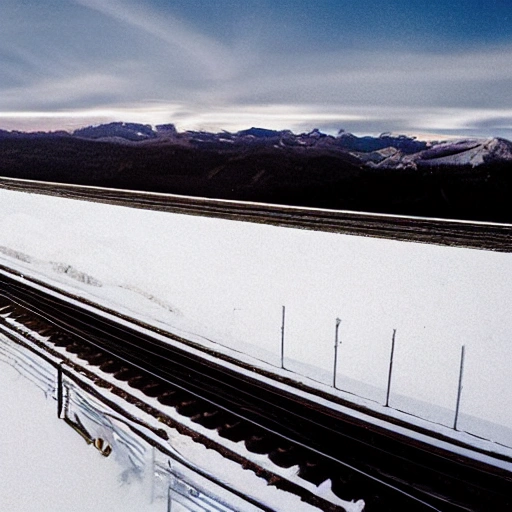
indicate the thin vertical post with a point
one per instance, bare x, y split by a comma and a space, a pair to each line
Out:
459, 391
336, 344
60, 391
282, 336
390, 367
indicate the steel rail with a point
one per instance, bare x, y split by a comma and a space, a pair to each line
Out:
446, 232
444, 482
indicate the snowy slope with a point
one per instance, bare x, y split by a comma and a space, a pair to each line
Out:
46, 466
225, 282
449, 155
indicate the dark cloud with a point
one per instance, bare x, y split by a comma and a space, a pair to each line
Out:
285, 62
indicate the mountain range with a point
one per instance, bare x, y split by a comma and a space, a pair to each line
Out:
464, 178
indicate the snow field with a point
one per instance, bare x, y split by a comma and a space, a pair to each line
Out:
227, 281
46, 467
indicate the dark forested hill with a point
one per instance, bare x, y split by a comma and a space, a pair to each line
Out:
468, 179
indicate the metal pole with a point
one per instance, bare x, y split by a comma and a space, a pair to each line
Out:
390, 367
282, 337
60, 398
335, 370
459, 392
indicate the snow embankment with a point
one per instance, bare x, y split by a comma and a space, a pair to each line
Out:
46, 466
226, 282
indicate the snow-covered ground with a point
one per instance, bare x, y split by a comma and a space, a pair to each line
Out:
174, 473
45, 466
226, 282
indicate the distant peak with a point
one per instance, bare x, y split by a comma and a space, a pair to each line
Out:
260, 132
125, 131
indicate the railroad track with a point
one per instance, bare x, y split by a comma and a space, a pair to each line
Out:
309, 447
457, 233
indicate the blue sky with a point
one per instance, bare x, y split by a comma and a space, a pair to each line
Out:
364, 66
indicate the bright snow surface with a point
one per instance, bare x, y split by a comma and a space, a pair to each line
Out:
45, 466
226, 281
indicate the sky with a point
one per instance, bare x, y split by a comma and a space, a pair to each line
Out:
363, 66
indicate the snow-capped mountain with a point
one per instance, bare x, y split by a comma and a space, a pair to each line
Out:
466, 178
464, 152
385, 151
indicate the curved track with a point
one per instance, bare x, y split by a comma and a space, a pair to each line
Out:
361, 459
